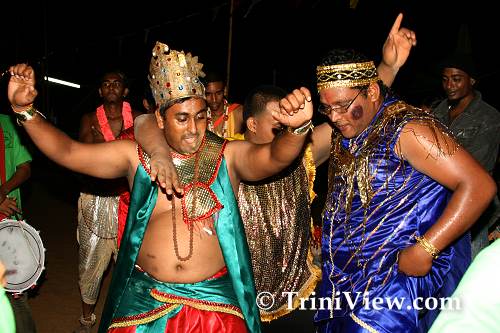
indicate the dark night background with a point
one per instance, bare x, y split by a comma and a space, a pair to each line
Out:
273, 42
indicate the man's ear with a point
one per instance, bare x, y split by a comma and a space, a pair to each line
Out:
100, 92
252, 124
159, 119
373, 92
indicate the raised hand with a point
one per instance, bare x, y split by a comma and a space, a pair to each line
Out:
21, 90
295, 109
398, 44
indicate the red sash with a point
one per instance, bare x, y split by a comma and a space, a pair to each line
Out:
128, 120
127, 133
223, 117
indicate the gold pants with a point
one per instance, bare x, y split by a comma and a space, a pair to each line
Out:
96, 235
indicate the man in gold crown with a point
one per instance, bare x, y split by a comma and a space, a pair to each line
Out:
402, 193
183, 264
275, 211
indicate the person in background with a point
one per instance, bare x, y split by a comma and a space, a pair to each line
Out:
474, 123
103, 204
15, 170
224, 119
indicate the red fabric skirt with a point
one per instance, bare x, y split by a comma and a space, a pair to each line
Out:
192, 320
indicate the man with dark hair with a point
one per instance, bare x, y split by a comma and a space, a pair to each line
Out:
224, 119
103, 204
183, 264
474, 123
401, 193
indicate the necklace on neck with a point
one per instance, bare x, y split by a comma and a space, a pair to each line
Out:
190, 226
223, 118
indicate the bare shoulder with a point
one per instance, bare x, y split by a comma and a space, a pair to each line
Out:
425, 138
233, 148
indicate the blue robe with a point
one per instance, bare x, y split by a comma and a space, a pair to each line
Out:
377, 204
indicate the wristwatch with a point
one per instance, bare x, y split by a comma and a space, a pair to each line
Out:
302, 129
25, 115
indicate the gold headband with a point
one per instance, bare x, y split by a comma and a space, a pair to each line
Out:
346, 75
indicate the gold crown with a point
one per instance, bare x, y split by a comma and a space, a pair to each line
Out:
346, 75
174, 75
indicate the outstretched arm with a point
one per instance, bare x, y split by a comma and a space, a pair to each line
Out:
107, 160
472, 187
248, 161
395, 51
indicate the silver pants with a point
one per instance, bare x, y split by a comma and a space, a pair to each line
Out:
96, 235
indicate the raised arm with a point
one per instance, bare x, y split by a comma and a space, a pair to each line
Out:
472, 187
395, 51
248, 161
107, 160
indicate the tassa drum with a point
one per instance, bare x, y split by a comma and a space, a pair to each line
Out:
22, 253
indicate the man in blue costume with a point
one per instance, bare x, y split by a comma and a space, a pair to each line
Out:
183, 265
401, 192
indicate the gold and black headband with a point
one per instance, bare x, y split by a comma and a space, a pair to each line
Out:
346, 75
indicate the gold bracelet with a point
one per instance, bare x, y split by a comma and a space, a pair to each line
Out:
302, 129
427, 246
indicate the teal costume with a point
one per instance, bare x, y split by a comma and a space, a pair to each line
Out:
229, 230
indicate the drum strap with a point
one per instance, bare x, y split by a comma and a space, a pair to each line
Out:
2, 156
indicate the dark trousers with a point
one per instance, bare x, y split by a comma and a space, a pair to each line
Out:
22, 313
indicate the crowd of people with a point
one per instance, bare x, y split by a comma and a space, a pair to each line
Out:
205, 205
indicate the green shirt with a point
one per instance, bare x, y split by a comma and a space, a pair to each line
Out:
15, 153
7, 323
479, 297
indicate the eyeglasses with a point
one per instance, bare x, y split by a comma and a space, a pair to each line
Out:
341, 108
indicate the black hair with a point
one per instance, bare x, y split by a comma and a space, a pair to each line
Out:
148, 94
214, 76
257, 99
118, 72
349, 56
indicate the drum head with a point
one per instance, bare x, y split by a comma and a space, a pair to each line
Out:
22, 253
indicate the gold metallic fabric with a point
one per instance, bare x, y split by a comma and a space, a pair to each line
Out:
97, 228
174, 75
346, 75
208, 157
277, 219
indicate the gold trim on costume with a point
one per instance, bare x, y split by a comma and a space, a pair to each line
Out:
210, 154
363, 324
144, 318
346, 75
197, 304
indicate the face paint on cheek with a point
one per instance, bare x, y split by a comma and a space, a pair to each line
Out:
357, 112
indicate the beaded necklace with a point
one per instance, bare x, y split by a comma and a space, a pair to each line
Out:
190, 227
212, 125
